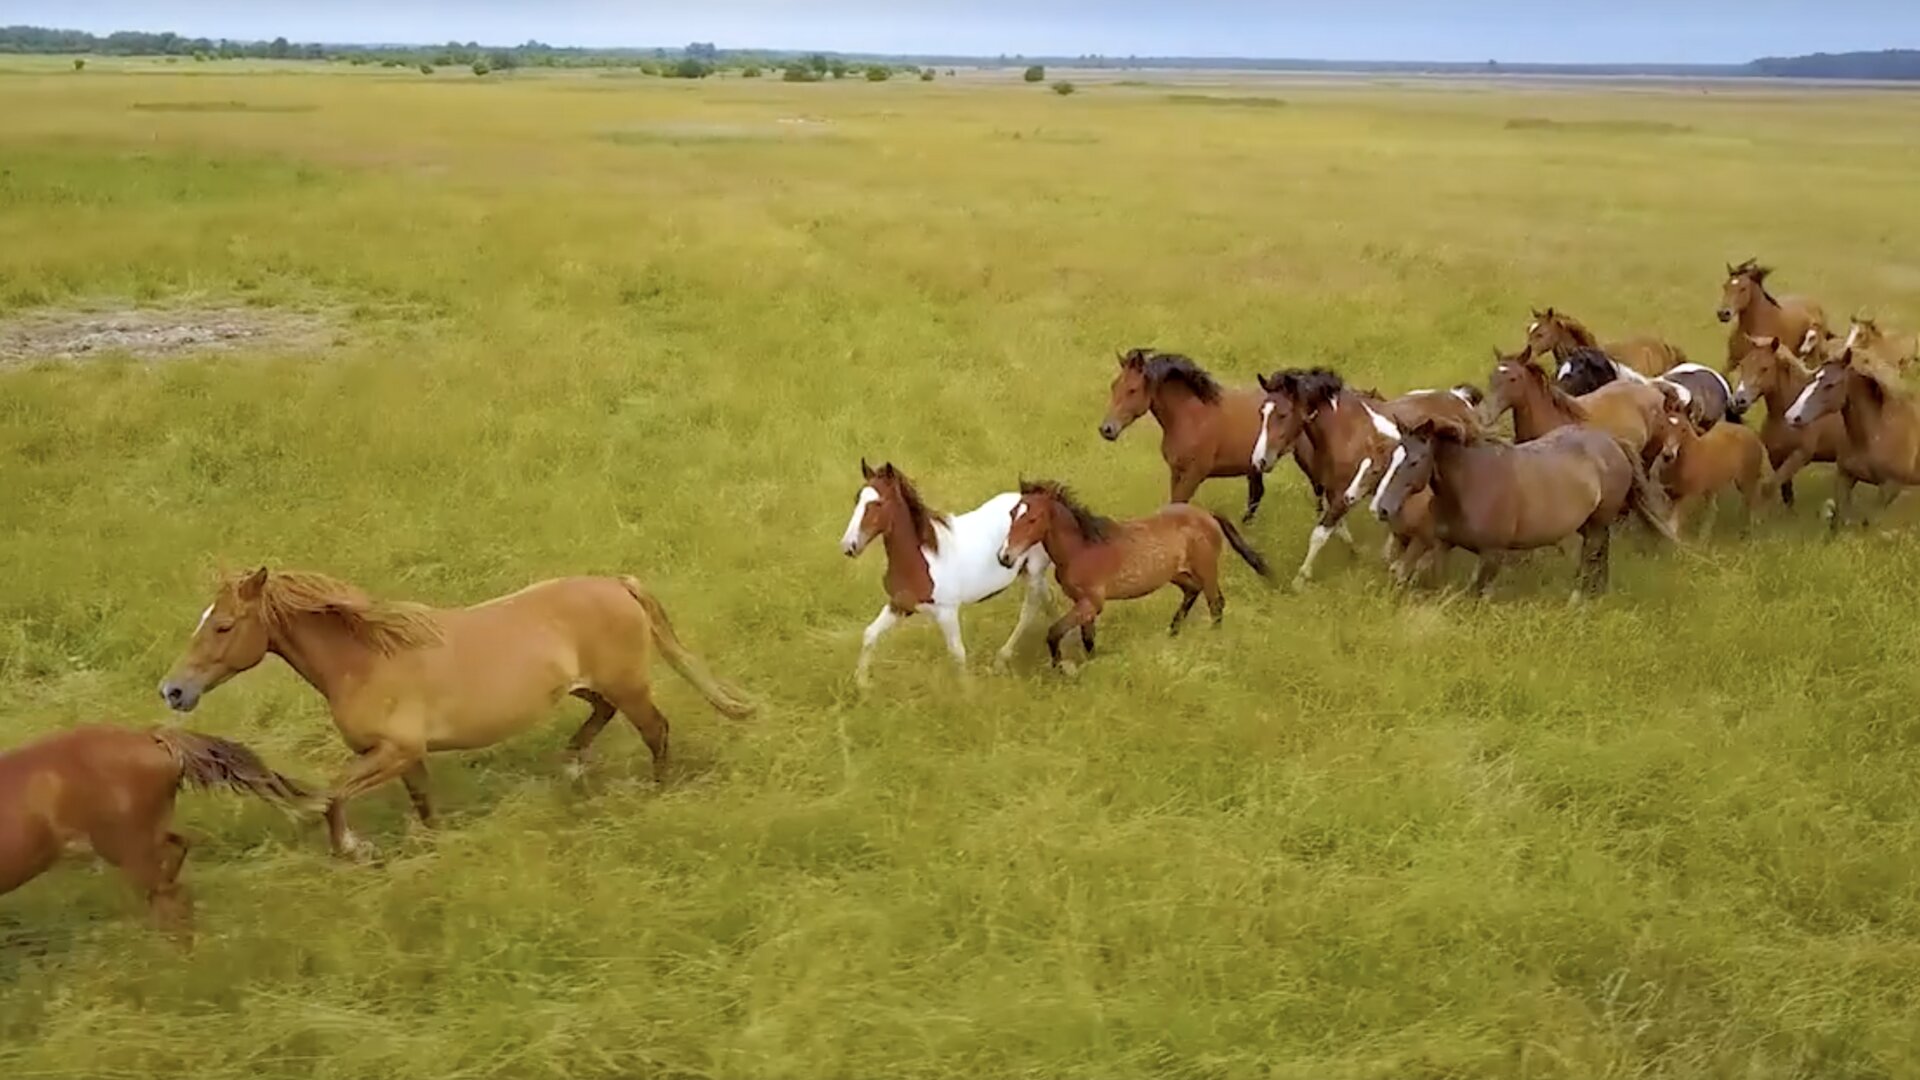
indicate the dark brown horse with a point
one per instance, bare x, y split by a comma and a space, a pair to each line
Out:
1881, 419
1559, 334
1206, 430
1755, 313
1097, 560
112, 789
1492, 498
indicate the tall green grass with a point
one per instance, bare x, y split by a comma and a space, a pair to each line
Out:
1348, 835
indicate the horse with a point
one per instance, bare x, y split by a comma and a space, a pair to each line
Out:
1701, 389
1754, 312
1765, 373
1559, 334
1492, 498
1631, 411
1695, 466
404, 680
1206, 430
112, 789
1096, 559
1865, 337
936, 563
1881, 419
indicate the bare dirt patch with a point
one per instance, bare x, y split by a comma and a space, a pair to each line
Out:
159, 333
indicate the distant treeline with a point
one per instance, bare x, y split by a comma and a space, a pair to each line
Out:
1901, 64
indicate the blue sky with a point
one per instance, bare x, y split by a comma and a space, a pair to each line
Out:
1509, 30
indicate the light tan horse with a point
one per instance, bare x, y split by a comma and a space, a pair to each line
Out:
1892, 350
1882, 422
1559, 334
1754, 312
404, 680
1766, 373
1632, 412
1694, 468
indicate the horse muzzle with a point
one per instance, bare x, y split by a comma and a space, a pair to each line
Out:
1724, 315
1109, 431
179, 697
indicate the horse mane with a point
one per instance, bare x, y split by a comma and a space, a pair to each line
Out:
918, 513
1092, 526
1449, 429
1311, 387
1567, 402
1754, 272
385, 626
1588, 356
1160, 367
1577, 330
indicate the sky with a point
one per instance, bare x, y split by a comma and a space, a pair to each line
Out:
1557, 31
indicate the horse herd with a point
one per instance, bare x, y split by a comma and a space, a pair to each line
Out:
1622, 429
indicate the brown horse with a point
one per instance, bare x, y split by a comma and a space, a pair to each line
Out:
1097, 560
404, 680
1754, 312
1206, 430
1695, 467
1559, 334
1630, 411
112, 789
1866, 338
1492, 498
1881, 419
1766, 373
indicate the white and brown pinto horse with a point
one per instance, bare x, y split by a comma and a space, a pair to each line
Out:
938, 563
1702, 392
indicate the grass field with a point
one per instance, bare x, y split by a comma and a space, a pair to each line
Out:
593, 324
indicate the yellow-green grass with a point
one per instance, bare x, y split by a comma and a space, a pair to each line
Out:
601, 325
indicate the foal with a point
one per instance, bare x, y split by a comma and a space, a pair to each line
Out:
1754, 312
113, 790
1206, 430
1629, 411
1881, 420
1694, 467
1097, 560
937, 564
1561, 335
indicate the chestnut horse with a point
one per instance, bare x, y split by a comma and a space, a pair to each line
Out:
404, 680
113, 790
1865, 337
1492, 498
1881, 419
1097, 560
1766, 373
1705, 392
1556, 333
1695, 467
1630, 411
937, 564
1754, 312
1206, 430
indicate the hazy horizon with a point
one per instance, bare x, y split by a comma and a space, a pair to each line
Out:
1630, 31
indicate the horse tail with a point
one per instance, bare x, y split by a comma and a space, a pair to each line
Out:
1646, 497
206, 761
1245, 550
724, 697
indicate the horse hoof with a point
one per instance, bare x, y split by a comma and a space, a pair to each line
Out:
1002, 664
1300, 582
353, 849
1827, 510
574, 771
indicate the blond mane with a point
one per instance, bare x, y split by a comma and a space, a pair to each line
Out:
387, 627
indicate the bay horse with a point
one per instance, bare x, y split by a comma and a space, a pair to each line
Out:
1630, 411
1766, 373
404, 680
1493, 498
1704, 391
1558, 334
937, 563
112, 789
1755, 313
1881, 419
1096, 559
1206, 430
1695, 467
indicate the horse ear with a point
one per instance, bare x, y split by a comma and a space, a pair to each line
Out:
866, 471
1269, 383
1537, 313
1498, 356
252, 584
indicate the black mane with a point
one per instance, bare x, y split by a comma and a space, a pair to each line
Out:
1161, 367
1092, 526
1311, 387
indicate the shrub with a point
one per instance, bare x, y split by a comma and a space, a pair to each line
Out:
838, 67
927, 75
79, 64
480, 67
426, 69
879, 73
751, 71
689, 68
1036, 73
1063, 88
799, 73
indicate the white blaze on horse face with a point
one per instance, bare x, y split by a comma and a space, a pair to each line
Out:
850, 540
1854, 336
1566, 369
1260, 444
204, 616
1393, 466
1797, 412
1533, 328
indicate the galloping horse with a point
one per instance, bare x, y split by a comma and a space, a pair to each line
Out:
1755, 313
937, 564
1881, 419
1559, 334
1097, 560
1865, 337
1695, 467
1703, 391
113, 789
1493, 498
404, 680
1765, 373
1630, 411
1206, 430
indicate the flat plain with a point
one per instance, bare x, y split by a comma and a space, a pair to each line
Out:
497, 329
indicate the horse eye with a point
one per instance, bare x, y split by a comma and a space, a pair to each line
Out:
223, 628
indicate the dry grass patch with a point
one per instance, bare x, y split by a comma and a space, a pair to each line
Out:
160, 333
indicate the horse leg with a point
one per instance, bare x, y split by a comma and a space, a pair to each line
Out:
647, 719
1256, 491
1185, 481
881, 623
150, 855
376, 765
1784, 473
1030, 607
576, 760
1081, 613
1335, 516
948, 619
1595, 543
1086, 637
1490, 563
1190, 586
1216, 600
1837, 507
415, 779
